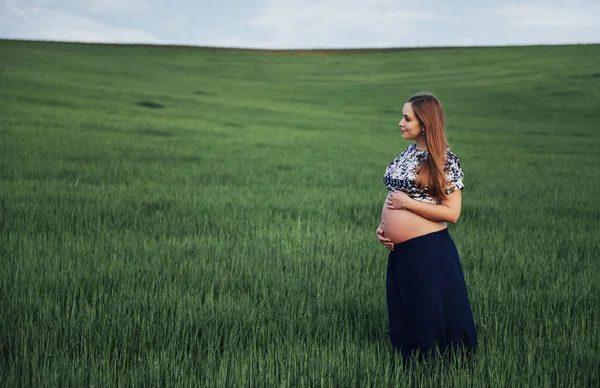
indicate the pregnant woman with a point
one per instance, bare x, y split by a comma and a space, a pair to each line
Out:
428, 306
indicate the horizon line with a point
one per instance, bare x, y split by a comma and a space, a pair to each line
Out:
291, 50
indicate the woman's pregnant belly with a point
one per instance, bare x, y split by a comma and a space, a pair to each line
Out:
402, 225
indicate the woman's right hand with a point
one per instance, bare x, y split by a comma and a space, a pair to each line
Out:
384, 240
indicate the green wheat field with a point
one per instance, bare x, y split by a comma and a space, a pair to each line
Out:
183, 217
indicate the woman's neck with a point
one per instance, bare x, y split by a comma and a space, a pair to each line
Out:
421, 144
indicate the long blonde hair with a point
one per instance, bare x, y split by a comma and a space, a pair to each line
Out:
430, 115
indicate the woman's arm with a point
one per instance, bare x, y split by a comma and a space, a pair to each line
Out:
447, 211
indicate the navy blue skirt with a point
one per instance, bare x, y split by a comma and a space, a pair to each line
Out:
428, 305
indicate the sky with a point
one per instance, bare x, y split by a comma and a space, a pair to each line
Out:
304, 24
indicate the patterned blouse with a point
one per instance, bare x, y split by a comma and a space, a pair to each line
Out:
401, 174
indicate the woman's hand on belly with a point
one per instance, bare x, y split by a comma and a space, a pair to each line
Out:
382, 239
396, 200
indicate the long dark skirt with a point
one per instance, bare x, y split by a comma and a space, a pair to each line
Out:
428, 306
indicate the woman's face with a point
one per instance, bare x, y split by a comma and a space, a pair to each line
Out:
411, 129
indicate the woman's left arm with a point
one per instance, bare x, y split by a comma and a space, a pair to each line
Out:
447, 211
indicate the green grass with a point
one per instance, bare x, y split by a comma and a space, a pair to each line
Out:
225, 237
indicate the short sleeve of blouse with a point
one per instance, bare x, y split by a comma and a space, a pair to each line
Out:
454, 173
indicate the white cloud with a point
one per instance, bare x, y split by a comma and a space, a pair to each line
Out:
40, 23
538, 14
330, 22
65, 27
341, 13
111, 6
304, 24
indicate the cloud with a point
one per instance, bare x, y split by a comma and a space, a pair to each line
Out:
35, 21
65, 27
401, 23
304, 24
337, 22
342, 13
110, 6
538, 14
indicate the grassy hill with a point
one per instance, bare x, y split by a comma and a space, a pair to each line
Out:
197, 217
